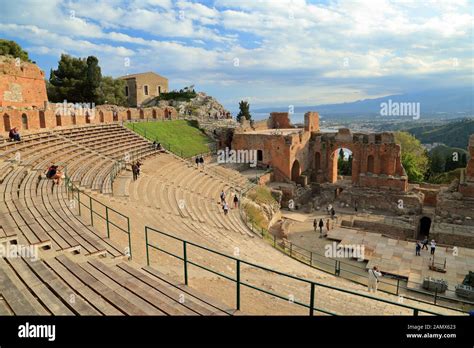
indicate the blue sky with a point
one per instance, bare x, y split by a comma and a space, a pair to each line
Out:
270, 52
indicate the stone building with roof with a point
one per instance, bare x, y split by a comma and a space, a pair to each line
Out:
143, 87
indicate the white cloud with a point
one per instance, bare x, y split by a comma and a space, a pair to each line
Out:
291, 43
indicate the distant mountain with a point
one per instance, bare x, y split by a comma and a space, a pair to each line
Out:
458, 101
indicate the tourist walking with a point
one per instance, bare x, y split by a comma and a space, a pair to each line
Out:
236, 201
374, 275
201, 161
225, 207
417, 248
138, 164
327, 226
333, 213
222, 197
424, 243
197, 161
433, 247
315, 225
134, 171
321, 225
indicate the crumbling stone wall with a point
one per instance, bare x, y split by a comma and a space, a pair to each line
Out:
22, 84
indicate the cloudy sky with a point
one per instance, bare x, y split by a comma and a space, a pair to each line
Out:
271, 52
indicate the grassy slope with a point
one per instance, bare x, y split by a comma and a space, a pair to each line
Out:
177, 136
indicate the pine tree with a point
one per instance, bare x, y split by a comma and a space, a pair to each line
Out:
244, 111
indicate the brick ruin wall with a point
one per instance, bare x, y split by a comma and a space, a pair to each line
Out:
24, 103
22, 84
312, 155
28, 120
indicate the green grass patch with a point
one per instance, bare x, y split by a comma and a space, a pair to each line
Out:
256, 217
181, 137
261, 195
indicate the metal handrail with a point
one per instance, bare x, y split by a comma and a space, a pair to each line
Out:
71, 188
313, 262
240, 283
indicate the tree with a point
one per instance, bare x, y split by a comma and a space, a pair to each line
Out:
68, 80
112, 91
93, 78
11, 48
414, 156
80, 80
436, 163
244, 111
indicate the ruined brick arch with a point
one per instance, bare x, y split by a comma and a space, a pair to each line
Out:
101, 117
73, 118
88, 118
370, 164
317, 161
42, 119
385, 164
167, 114
6, 122
153, 113
59, 122
115, 116
129, 115
24, 121
295, 171
333, 159
142, 114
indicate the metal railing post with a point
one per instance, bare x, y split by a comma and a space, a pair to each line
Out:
435, 295
79, 200
310, 258
146, 242
185, 259
129, 238
92, 212
415, 312
107, 220
238, 285
311, 301
398, 285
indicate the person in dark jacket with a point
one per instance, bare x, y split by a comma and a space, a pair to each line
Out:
321, 225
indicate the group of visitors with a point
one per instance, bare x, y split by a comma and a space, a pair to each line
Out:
54, 173
225, 206
14, 135
420, 245
136, 169
199, 161
156, 146
320, 225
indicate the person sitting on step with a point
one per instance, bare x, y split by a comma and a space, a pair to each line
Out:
14, 135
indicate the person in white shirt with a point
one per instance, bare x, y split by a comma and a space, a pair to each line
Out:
433, 247
374, 275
